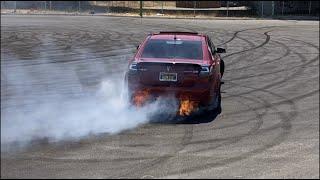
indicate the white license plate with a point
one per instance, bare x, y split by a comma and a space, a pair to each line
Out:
167, 76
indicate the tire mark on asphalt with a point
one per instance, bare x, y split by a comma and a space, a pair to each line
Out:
296, 98
284, 125
277, 83
147, 166
250, 49
115, 39
244, 56
287, 52
186, 137
234, 139
235, 34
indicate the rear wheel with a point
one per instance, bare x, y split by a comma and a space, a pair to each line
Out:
221, 67
215, 104
218, 107
127, 95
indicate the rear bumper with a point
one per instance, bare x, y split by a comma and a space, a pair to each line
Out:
202, 91
200, 95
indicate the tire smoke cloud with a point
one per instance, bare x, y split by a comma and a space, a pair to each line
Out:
48, 101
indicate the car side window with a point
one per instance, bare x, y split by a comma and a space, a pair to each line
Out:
209, 48
213, 49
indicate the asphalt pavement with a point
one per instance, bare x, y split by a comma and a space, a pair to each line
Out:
268, 128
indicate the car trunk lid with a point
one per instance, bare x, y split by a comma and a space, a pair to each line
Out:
180, 74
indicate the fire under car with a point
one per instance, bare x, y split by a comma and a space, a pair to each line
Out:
185, 64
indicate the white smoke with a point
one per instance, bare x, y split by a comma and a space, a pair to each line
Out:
38, 109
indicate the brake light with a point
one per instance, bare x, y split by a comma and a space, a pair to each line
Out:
206, 70
133, 67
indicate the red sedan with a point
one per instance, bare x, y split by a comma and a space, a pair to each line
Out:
183, 64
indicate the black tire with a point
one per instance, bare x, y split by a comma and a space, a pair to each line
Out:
128, 91
221, 67
218, 109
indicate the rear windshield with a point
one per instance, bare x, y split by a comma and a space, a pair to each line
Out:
177, 49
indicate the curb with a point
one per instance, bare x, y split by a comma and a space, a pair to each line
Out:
166, 17
145, 17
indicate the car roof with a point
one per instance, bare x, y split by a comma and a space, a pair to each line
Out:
189, 36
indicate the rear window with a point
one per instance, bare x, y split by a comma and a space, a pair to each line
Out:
172, 49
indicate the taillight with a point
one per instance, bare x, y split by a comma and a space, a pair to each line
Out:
133, 67
206, 71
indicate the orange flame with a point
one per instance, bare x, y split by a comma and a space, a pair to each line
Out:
187, 107
140, 97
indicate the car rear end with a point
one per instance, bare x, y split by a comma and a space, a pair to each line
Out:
171, 65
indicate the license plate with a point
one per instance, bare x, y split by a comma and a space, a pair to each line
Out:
167, 76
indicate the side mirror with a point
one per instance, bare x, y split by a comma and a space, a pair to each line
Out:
220, 50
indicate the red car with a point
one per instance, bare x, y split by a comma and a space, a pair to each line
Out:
183, 64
